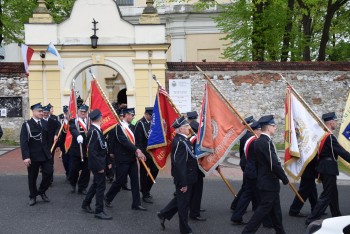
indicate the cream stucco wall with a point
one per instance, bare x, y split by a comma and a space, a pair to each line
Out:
205, 46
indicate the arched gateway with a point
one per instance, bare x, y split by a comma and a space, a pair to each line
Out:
125, 58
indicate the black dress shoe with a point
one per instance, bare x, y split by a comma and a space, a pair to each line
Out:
198, 218
32, 201
107, 203
147, 200
298, 215
103, 215
44, 197
87, 209
139, 208
238, 222
82, 191
162, 220
72, 189
124, 187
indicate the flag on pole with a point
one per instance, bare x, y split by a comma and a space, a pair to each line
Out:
52, 49
220, 129
344, 132
72, 108
99, 101
27, 54
303, 133
161, 133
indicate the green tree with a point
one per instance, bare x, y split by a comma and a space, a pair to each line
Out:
15, 13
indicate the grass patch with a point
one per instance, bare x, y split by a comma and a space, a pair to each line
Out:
9, 143
343, 168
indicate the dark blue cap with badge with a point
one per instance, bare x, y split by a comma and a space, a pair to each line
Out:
249, 119
84, 107
267, 120
128, 111
194, 125
181, 121
192, 115
329, 116
36, 106
95, 114
65, 109
255, 125
49, 105
46, 108
149, 110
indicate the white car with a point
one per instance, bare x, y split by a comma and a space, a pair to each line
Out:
329, 226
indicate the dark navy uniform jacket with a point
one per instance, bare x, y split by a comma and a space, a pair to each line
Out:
74, 149
34, 143
141, 133
122, 148
183, 166
268, 164
250, 168
242, 141
327, 162
97, 149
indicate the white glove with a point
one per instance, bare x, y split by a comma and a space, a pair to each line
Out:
80, 139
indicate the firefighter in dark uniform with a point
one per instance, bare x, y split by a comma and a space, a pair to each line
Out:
328, 171
307, 190
142, 129
197, 188
184, 170
126, 155
250, 191
51, 115
63, 118
270, 172
36, 153
242, 164
97, 150
78, 128
53, 127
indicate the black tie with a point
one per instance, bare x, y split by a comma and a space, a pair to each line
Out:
39, 123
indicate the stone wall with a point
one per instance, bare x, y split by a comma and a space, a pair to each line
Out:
13, 83
257, 88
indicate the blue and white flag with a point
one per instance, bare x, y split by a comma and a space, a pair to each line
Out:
52, 49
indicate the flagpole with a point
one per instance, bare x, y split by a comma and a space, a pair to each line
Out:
306, 105
226, 182
117, 117
76, 122
59, 133
228, 103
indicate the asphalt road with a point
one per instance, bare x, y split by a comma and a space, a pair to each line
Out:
63, 213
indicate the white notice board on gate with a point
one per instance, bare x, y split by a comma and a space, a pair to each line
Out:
180, 93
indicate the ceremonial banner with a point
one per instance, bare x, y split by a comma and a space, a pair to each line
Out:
52, 49
220, 129
27, 54
198, 152
72, 108
161, 133
303, 133
344, 132
99, 101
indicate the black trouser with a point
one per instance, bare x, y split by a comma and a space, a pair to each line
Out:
239, 194
76, 166
145, 180
249, 193
33, 171
66, 162
97, 188
329, 196
180, 204
269, 205
122, 171
307, 190
196, 197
